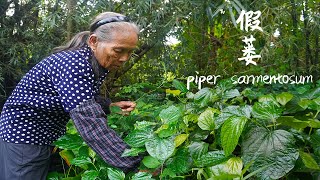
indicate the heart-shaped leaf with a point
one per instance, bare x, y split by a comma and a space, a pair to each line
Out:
272, 150
159, 148
197, 149
284, 98
170, 115
205, 96
266, 110
138, 137
206, 119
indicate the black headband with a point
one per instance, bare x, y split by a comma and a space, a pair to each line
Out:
108, 20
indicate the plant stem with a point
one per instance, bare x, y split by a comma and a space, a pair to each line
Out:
315, 116
94, 166
69, 171
64, 170
161, 170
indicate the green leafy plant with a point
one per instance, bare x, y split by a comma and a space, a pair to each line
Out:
226, 132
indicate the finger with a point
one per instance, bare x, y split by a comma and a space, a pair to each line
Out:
131, 104
128, 109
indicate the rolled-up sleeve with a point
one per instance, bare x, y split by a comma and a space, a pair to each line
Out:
90, 120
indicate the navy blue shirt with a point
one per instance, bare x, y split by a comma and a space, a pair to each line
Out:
38, 109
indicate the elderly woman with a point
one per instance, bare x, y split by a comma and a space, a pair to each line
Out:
62, 86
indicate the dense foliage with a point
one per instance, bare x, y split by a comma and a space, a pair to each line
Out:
208, 43
225, 132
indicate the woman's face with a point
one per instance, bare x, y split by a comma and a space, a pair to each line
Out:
112, 55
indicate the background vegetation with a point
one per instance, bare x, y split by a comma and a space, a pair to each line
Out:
207, 43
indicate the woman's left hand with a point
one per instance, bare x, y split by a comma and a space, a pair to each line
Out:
126, 106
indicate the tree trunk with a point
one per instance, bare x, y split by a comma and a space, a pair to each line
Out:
307, 34
295, 62
316, 57
71, 4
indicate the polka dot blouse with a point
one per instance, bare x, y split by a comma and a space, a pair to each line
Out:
38, 109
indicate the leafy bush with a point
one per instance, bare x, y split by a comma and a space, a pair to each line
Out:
226, 132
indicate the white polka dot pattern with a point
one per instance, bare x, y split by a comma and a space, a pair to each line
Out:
38, 109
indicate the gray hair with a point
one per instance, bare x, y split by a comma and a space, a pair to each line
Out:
103, 32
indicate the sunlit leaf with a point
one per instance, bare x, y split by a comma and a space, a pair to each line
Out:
314, 123
292, 122
166, 130
178, 140
230, 169
304, 103
193, 118
173, 92
206, 119
67, 155
234, 165
308, 160
284, 97
230, 133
